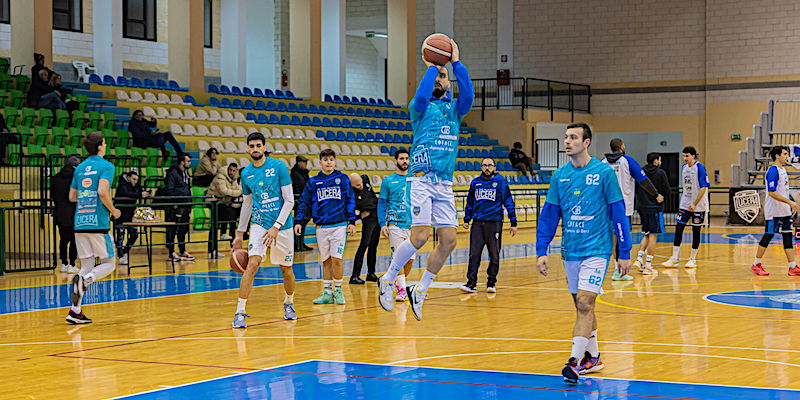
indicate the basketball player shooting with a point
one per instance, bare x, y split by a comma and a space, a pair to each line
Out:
435, 122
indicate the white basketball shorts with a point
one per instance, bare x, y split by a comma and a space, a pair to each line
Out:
587, 275
91, 245
397, 236
281, 251
331, 242
432, 204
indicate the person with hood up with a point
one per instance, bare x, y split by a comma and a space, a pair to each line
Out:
64, 215
129, 191
628, 174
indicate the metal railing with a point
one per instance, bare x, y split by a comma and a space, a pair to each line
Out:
527, 93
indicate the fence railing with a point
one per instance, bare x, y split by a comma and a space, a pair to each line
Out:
527, 93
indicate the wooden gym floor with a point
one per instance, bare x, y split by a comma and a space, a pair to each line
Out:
715, 332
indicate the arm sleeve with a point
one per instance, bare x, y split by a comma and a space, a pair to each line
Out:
303, 202
702, 176
511, 207
244, 214
425, 89
466, 92
547, 226
470, 203
383, 204
772, 179
622, 229
288, 205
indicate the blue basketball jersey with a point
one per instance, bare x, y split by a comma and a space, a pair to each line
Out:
392, 208
90, 213
265, 183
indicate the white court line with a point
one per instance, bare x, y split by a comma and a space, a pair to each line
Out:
604, 352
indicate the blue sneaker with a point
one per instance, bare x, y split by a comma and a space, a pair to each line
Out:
238, 320
288, 312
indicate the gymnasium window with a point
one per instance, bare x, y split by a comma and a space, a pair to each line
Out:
5, 16
208, 11
68, 15
139, 19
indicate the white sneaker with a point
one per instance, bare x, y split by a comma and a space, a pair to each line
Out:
649, 271
670, 263
186, 256
225, 236
69, 269
123, 260
692, 263
215, 255
174, 257
638, 264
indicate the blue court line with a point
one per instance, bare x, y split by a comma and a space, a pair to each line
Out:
346, 380
771, 299
16, 300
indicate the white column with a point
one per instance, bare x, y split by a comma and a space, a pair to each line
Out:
260, 45
22, 35
443, 21
334, 55
107, 33
505, 35
381, 45
233, 42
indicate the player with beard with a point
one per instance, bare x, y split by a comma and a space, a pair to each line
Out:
393, 215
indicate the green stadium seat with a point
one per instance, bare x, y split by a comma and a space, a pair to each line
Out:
25, 132
16, 98
62, 118
200, 219
28, 116
11, 115
124, 138
110, 120
46, 117
95, 120
41, 136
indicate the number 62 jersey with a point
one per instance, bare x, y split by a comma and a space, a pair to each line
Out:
584, 196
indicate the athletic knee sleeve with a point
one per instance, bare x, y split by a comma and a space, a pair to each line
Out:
679, 234
696, 237
766, 239
788, 240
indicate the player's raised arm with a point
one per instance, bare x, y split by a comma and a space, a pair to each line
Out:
466, 92
425, 88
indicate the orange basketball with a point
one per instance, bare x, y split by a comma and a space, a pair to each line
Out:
437, 49
238, 261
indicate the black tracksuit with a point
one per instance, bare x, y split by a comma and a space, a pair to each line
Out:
64, 214
366, 200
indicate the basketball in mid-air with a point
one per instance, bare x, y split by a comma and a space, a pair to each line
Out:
437, 49
238, 261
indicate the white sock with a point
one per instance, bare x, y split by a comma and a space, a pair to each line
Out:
425, 281
675, 251
240, 305
649, 261
792, 264
337, 283
578, 347
402, 254
104, 269
328, 285
694, 254
288, 299
76, 309
592, 347
401, 280
640, 256
757, 261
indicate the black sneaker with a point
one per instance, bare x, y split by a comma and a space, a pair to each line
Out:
77, 319
372, 278
355, 280
469, 287
78, 288
570, 372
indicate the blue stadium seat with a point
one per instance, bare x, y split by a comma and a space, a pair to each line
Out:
161, 84
364, 124
224, 89
384, 150
279, 94
374, 125
359, 112
484, 153
262, 118
237, 104
135, 82
190, 99
460, 166
524, 180
360, 137
251, 117
225, 103
282, 106
305, 121
384, 126
500, 167
351, 137
398, 138
320, 134
508, 166
236, 91
174, 86
258, 93
337, 99
330, 136
345, 100
470, 153
351, 111
290, 95
260, 105
388, 138
408, 126
379, 137
381, 103
462, 153
316, 121
303, 108
295, 120
395, 115
271, 106
347, 124
392, 126
339, 110
370, 137
328, 98
372, 102
247, 92
476, 165
326, 122
468, 166
406, 139
545, 179
292, 107
368, 113
403, 115
312, 109
273, 119
212, 88
335, 122
108, 80
323, 110
121, 81
285, 120
393, 150
268, 93
462, 141
248, 105
389, 103
213, 102
364, 101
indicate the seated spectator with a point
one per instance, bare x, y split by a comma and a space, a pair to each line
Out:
129, 192
226, 187
207, 169
520, 160
55, 83
38, 65
144, 137
42, 95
